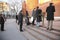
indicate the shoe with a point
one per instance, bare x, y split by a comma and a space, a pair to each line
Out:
47, 28
28, 23
40, 26
2, 30
51, 29
33, 24
21, 30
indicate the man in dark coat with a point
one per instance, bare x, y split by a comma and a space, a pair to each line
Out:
2, 22
20, 19
38, 16
50, 15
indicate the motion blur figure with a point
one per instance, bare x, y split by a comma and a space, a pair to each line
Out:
34, 16
50, 15
16, 18
38, 16
20, 20
2, 22
27, 18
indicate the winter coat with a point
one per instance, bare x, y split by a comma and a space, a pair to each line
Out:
34, 14
50, 12
38, 15
1, 20
20, 17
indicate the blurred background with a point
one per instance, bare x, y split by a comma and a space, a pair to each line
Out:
12, 7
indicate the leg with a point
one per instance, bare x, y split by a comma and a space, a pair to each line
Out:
37, 24
21, 26
33, 21
48, 25
2, 27
28, 23
51, 24
16, 20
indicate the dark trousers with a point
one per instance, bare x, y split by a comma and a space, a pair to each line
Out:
33, 21
2, 27
27, 21
21, 26
16, 20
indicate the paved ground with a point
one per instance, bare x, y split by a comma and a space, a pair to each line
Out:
32, 33
12, 33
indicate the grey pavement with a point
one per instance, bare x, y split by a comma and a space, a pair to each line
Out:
30, 32
11, 32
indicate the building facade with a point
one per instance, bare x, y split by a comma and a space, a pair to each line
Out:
43, 5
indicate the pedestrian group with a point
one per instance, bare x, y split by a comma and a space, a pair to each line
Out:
36, 16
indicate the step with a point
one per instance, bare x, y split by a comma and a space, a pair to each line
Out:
37, 35
53, 31
28, 36
47, 34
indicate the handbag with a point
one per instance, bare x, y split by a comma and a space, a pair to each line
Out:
31, 19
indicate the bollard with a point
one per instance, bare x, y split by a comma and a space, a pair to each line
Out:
43, 15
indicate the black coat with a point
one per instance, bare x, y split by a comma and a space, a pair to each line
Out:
50, 12
1, 20
20, 17
38, 15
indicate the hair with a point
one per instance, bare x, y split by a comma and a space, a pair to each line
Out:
51, 3
34, 8
37, 7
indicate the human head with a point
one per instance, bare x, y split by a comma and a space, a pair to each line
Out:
51, 4
37, 7
34, 8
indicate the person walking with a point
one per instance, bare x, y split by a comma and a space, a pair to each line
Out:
27, 18
50, 15
38, 16
20, 19
34, 16
2, 22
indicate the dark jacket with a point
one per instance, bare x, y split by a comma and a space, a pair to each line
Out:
50, 12
38, 15
1, 20
16, 17
34, 14
20, 17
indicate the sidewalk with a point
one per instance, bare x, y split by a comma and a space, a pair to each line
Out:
56, 23
32, 33
11, 32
